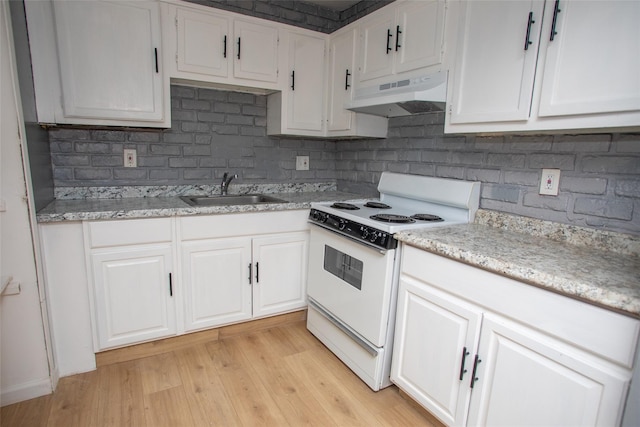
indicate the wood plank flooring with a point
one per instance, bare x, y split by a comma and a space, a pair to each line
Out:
279, 376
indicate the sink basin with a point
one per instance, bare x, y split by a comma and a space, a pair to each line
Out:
239, 199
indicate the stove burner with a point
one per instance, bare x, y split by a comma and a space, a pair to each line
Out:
345, 206
377, 205
427, 217
400, 219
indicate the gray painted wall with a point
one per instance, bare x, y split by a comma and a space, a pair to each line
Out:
298, 13
216, 131
599, 183
37, 138
212, 132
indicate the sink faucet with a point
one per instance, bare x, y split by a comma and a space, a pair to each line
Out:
226, 180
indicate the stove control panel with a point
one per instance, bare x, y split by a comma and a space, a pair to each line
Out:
353, 229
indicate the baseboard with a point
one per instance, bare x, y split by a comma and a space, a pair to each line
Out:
152, 348
26, 391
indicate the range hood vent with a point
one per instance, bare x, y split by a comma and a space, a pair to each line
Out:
423, 94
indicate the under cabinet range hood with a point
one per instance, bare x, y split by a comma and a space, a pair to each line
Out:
423, 94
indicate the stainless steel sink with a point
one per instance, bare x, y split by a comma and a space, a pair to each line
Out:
239, 199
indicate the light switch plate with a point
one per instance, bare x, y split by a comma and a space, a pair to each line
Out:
130, 158
549, 182
302, 163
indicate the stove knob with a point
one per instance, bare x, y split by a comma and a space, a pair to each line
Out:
373, 237
342, 224
365, 232
383, 238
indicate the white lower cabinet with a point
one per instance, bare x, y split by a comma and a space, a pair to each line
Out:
475, 348
134, 295
130, 272
233, 279
280, 276
241, 267
159, 277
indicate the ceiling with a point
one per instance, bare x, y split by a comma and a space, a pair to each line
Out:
337, 5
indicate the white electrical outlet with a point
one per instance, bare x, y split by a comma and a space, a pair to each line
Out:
130, 158
302, 163
549, 182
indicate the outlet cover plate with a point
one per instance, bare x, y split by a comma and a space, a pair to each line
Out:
130, 158
302, 163
549, 182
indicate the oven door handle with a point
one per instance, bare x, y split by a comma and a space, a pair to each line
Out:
373, 351
360, 242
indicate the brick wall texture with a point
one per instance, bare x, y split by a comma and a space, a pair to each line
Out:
298, 13
599, 182
216, 131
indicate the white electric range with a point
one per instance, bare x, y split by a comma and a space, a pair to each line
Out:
354, 263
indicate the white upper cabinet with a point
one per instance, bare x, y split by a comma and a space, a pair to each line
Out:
109, 62
342, 74
546, 65
403, 36
210, 45
299, 108
593, 58
306, 74
256, 51
494, 74
203, 43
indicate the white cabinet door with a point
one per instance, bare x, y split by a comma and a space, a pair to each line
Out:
435, 340
306, 82
134, 294
216, 279
419, 34
203, 43
494, 69
109, 57
280, 273
255, 51
404, 37
340, 87
377, 45
527, 377
593, 62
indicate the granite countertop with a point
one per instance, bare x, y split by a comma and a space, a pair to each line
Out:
150, 207
603, 277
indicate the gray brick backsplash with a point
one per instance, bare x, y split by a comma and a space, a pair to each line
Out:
599, 183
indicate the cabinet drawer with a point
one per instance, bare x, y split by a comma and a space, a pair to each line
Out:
244, 224
603, 332
128, 232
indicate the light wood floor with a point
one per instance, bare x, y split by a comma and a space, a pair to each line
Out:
280, 376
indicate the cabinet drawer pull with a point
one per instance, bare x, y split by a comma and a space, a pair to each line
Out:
475, 367
170, 285
389, 35
257, 272
556, 10
346, 80
293, 80
398, 32
224, 52
527, 42
463, 371
155, 53
239, 47
250, 273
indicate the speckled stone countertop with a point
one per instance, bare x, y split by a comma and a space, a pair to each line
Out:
598, 267
168, 203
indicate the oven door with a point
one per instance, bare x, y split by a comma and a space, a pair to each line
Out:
351, 281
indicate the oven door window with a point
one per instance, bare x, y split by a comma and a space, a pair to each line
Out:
343, 266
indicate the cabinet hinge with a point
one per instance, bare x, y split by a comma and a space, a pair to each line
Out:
176, 22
